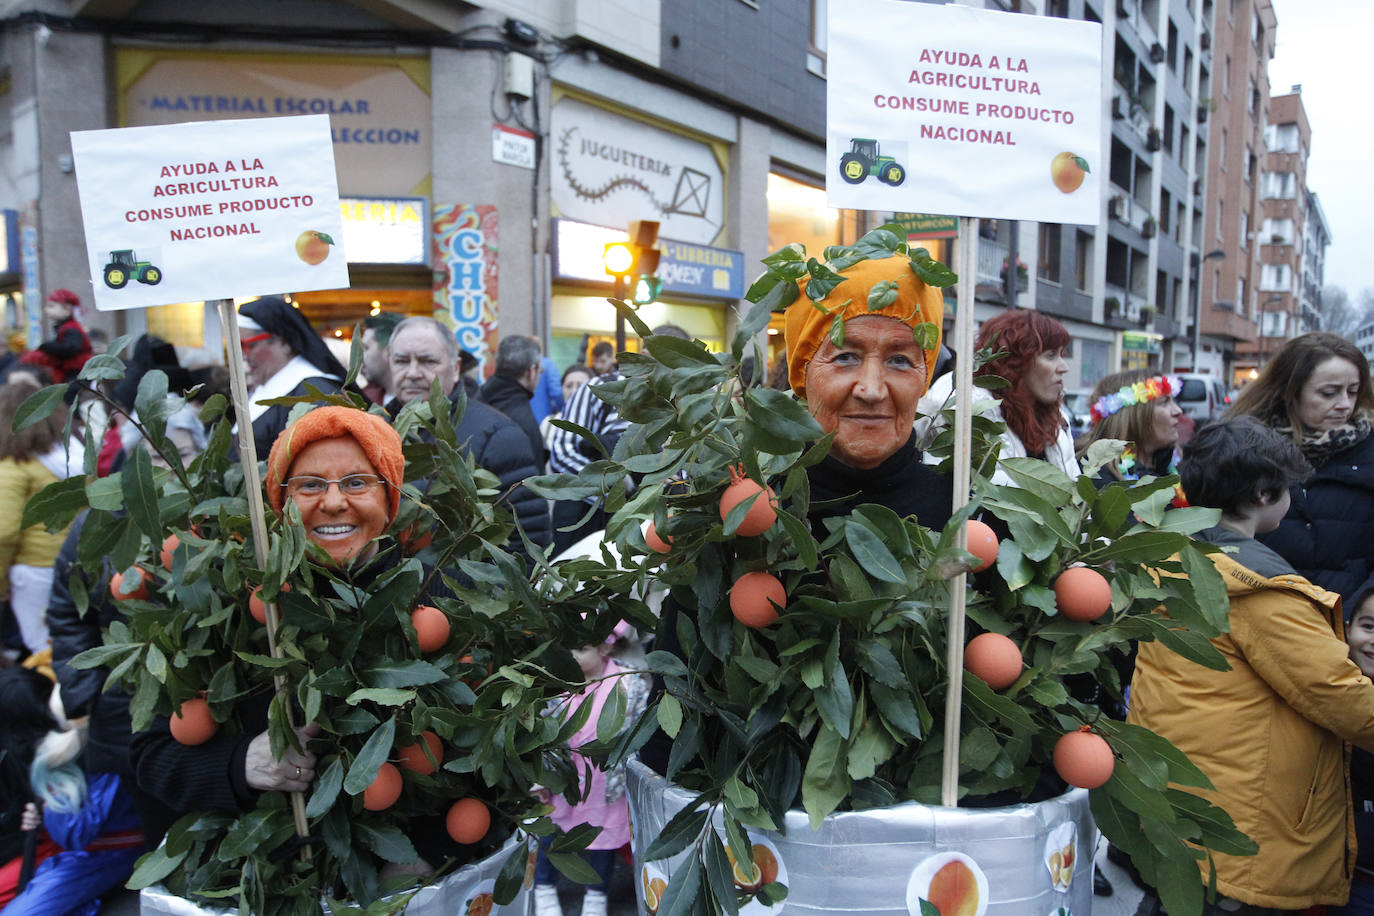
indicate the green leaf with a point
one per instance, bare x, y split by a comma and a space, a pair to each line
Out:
56, 504
410, 673
719, 874
778, 421
932, 272
140, 494
574, 866
823, 280
826, 780
153, 867
373, 754
835, 700
926, 335
881, 295
680, 898
38, 407
612, 718
512, 875
669, 715
326, 789
872, 554
247, 836
676, 353
836, 329
631, 316
384, 696
387, 841
681, 830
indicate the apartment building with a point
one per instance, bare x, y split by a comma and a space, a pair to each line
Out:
1229, 281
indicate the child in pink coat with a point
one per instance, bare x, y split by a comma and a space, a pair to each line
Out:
603, 795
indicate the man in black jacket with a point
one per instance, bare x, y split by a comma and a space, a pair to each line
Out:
509, 390
422, 350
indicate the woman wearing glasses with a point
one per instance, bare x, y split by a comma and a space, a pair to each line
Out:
343, 468
283, 356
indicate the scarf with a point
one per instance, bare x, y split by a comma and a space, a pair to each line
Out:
1320, 446
1165, 463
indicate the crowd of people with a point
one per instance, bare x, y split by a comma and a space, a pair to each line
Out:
1285, 467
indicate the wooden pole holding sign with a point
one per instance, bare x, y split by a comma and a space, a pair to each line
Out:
257, 515
963, 459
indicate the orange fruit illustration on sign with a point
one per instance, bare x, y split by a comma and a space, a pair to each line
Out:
313, 246
1067, 171
954, 890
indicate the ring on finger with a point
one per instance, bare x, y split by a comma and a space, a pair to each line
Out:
298, 772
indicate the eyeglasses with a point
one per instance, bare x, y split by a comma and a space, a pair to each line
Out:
314, 487
247, 342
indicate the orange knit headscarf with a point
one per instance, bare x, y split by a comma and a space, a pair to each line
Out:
374, 435
806, 327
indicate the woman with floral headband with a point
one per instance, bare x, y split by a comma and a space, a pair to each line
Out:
1316, 390
1138, 407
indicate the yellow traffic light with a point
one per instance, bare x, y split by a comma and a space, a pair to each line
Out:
619, 259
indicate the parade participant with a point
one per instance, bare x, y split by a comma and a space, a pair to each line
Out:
574, 377
422, 350
863, 388
1269, 729
1137, 407
69, 348
343, 468
1032, 405
1316, 390
283, 355
30, 460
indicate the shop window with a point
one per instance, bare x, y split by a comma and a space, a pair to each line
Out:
797, 212
182, 324
1048, 267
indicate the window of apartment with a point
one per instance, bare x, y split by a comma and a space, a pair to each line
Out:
1221, 208
1177, 285
1254, 97
1168, 138
1183, 136
1083, 261
1165, 210
1281, 138
1256, 28
1275, 278
815, 52
1178, 223
1231, 10
1161, 292
1244, 227
1251, 164
1226, 78
1058, 8
1187, 70
1221, 150
1048, 267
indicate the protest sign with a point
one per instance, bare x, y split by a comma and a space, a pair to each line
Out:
950, 109
209, 210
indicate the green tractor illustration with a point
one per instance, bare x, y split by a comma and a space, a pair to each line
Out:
124, 266
863, 159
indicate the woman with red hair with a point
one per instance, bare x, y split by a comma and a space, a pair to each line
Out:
1034, 349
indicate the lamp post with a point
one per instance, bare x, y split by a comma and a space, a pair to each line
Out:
1215, 254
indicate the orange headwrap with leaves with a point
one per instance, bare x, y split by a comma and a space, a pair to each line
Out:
374, 435
807, 326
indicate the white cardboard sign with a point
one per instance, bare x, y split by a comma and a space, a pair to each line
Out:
969, 112
210, 210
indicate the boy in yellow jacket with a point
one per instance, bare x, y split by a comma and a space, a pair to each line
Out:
1271, 733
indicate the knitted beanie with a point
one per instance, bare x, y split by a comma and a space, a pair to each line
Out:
807, 327
374, 435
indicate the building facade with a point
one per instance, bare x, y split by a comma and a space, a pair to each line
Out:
486, 154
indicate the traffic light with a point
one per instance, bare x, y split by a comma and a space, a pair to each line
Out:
634, 262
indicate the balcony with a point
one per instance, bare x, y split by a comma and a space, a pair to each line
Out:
1222, 320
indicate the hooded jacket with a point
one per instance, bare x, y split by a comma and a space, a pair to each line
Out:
1271, 732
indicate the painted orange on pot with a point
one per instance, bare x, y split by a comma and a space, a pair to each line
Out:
954, 890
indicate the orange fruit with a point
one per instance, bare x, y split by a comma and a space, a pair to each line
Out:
481, 905
753, 596
954, 890
412, 756
656, 543
468, 820
192, 723
1082, 593
312, 246
653, 892
431, 627
169, 546
1067, 171
385, 789
1084, 759
136, 591
982, 543
994, 658
760, 516
257, 607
